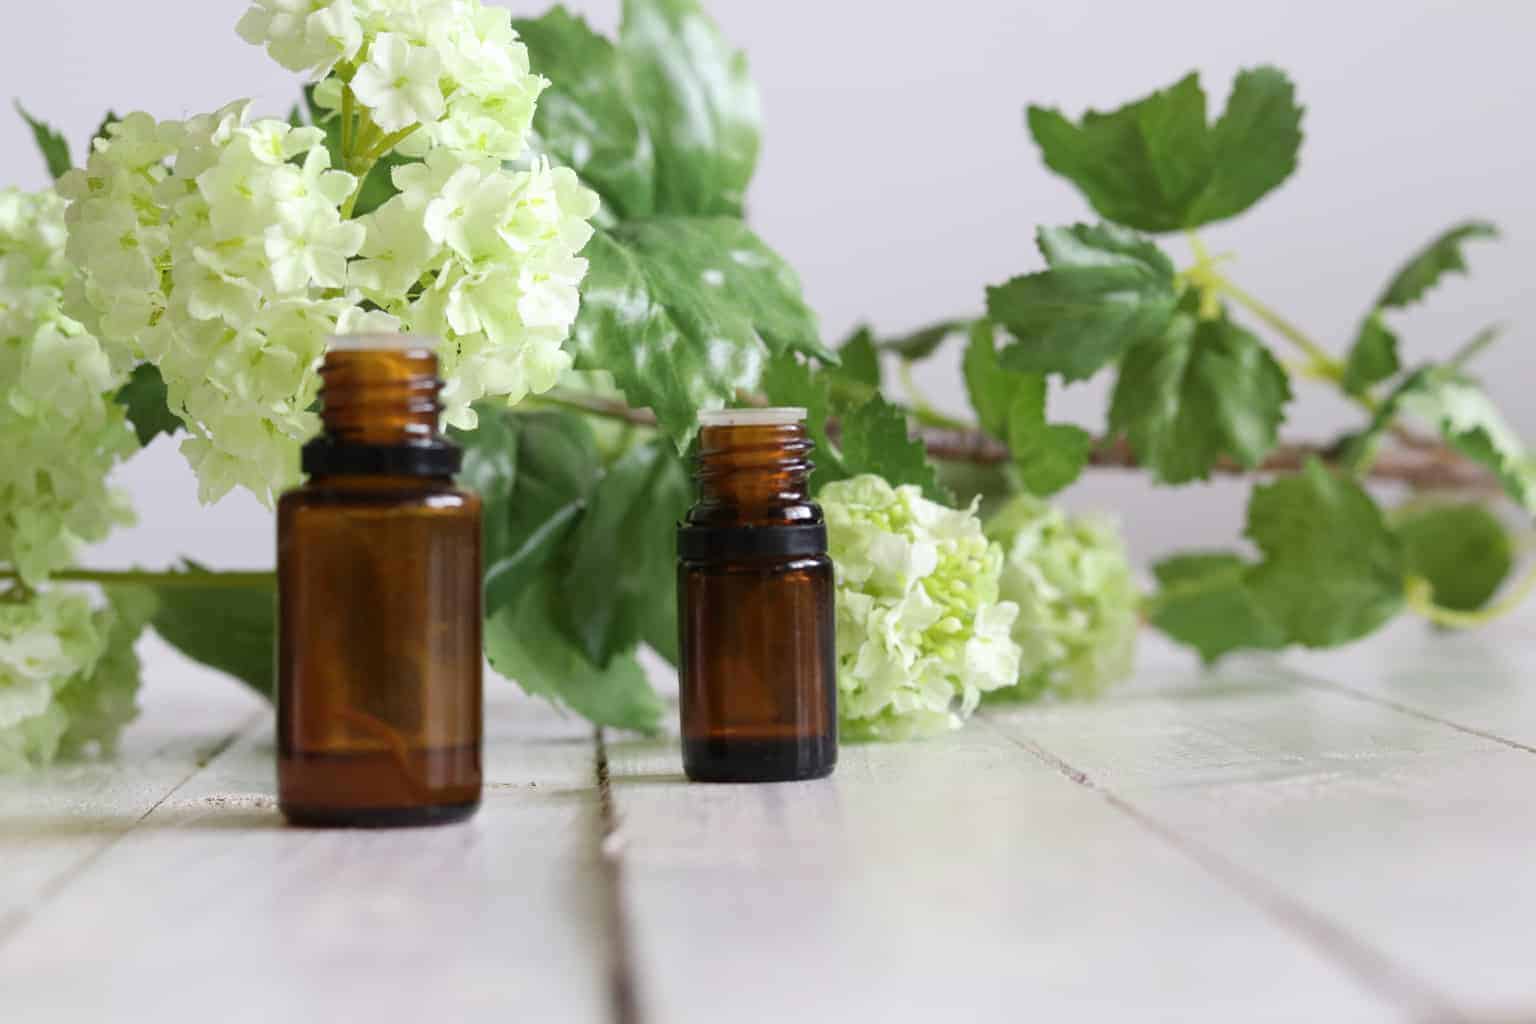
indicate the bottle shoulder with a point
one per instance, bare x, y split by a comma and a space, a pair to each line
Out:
379, 492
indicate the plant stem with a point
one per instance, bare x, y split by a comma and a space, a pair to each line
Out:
347, 114
1420, 598
1481, 340
1321, 359
1421, 465
921, 410
208, 580
368, 160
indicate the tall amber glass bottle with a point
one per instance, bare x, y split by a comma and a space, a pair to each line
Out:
755, 607
379, 691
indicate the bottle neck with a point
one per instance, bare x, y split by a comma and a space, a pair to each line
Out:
379, 415
380, 396
756, 474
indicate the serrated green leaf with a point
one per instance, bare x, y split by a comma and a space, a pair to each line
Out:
875, 440
1332, 571
1206, 603
144, 396
1373, 356
620, 557
587, 119
1048, 456
1156, 164
699, 105
991, 387
1440, 257
1205, 389
523, 643
1106, 289
685, 311
229, 628
1465, 417
859, 361
792, 382
1461, 549
53, 146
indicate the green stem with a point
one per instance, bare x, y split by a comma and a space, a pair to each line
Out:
1320, 357
209, 580
347, 114
1481, 340
1420, 597
369, 160
920, 409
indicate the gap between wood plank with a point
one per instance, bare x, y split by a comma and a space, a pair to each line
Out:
13, 923
1375, 971
1328, 686
622, 987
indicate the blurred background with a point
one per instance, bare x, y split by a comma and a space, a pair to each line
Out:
897, 177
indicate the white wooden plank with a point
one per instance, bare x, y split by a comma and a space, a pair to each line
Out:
212, 909
1477, 679
54, 820
958, 879
1401, 839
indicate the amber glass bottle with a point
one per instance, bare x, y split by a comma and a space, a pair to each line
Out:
755, 607
379, 691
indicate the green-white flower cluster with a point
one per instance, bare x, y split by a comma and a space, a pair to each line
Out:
1077, 599
224, 249
62, 430
68, 674
921, 632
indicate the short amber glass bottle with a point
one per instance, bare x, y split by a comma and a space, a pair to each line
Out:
755, 607
379, 690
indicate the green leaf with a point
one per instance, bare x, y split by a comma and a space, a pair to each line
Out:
1207, 388
1156, 164
54, 147
991, 387
523, 643
1373, 356
920, 344
699, 105
1440, 257
1465, 417
621, 556
1106, 289
1011, 406
859, 361
587, 119
875, 440
229, 628
1332, 570
534, 473
1461, 549
792, 382
107, 122
1048, 456
1331, 573
144, 397
1205, 602
684, 311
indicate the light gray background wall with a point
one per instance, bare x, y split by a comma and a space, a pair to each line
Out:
898, 179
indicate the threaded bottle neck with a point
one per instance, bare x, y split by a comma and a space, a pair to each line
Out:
754, 474
380, 396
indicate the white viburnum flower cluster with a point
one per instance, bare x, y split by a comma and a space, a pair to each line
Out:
1079, 606
68, 674
224, 249
64, 433
455, 67
921, 633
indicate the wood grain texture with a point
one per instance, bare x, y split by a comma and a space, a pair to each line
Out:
212, 909
948, 880
1395, 843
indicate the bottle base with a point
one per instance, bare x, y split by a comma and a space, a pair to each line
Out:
745, 760
378, 817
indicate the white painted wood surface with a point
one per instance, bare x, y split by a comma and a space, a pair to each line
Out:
1346, 836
